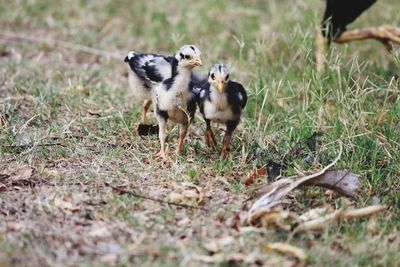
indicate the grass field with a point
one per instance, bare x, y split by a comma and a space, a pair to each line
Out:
68, 125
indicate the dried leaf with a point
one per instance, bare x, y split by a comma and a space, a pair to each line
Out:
3, 120
316, 224
16, 176
65, 205
277, 218
372, 225
188, 194
109, 258
250, 177
253, 174
287, 250
341, 181
23, 173
278, 190
215, 245
18, 226
313, 214
99, 230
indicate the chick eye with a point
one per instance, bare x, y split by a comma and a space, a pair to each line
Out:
212, 76
226, 77
188, 57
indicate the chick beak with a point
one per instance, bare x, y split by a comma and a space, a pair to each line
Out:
196, 62
220, 86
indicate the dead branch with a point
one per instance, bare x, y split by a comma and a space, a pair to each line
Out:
321, 222
342, 181
280, 189
386, 34
182, 205
355, 213
53, 42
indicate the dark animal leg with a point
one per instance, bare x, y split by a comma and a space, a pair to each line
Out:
226, 143
184, 130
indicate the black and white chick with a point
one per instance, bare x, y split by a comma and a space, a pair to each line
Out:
175, 98
146, 71
221, 101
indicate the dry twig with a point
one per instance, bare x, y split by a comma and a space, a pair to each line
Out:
123, 191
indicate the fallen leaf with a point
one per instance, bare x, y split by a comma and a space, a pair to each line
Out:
99, 230
278, 218
216, 245
313, 214
250, 177
23, 173
341, 181
65, 205
3, 120
188, 194
16, 226
16, 176
317, 223
253, 174
286, 249
109, 258
372, 226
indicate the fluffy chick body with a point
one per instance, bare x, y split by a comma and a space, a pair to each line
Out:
175, 98
221, 101
145, 72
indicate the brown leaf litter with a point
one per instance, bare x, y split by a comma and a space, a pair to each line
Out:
15, 176
266, 210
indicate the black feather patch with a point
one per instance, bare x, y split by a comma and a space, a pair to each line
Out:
126, 59
162, 113
152, 73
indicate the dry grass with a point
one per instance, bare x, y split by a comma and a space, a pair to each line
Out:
67, 126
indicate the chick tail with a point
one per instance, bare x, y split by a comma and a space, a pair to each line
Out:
130, 55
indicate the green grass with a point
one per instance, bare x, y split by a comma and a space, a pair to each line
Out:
47, 92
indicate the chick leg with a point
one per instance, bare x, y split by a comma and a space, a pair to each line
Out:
209, 135
386, 34
226, 143
146, 106
184, 130
162, 135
